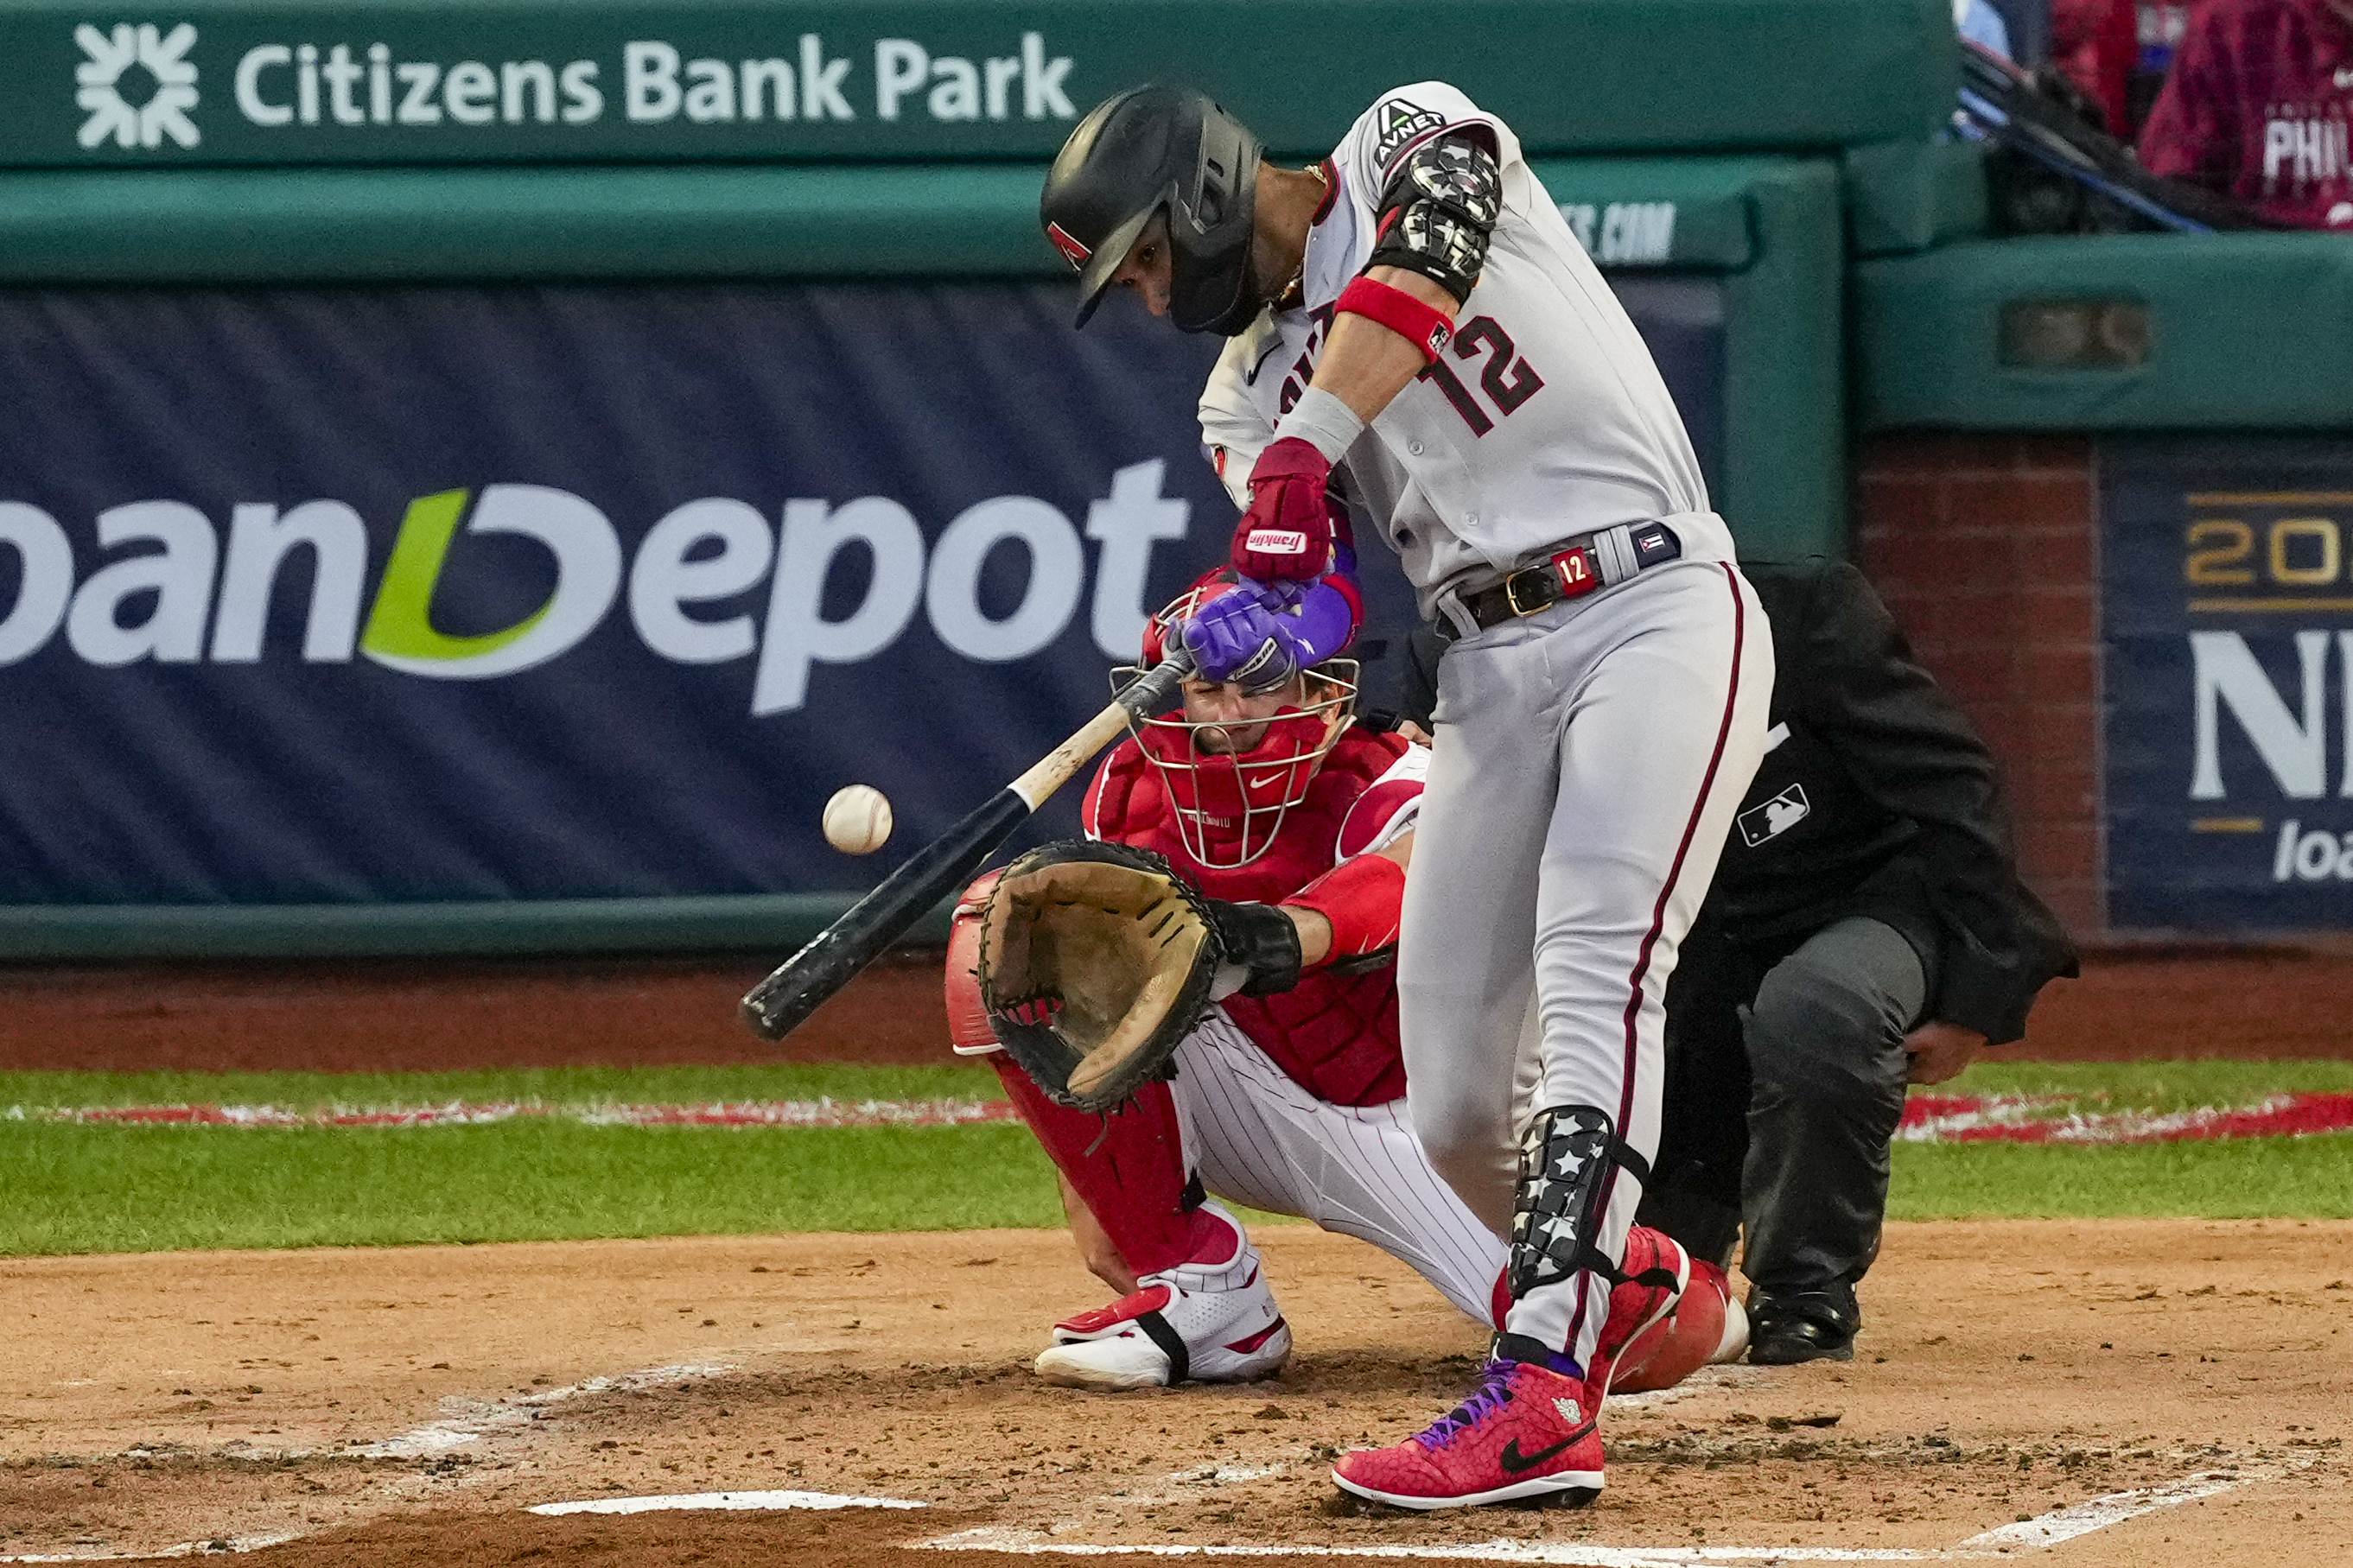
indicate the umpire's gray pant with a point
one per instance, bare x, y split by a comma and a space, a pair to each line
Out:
1828, 1067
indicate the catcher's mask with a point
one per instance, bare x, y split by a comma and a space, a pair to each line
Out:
1147, 151
1095, 961
1230, 805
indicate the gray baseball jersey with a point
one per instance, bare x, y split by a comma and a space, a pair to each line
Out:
1544, 419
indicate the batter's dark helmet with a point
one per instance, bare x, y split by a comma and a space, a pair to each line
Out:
1151, 149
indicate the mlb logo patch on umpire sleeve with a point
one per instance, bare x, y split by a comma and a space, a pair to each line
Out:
1759, 824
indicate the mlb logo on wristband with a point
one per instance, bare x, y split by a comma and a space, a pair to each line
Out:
1577, 571
1277, 541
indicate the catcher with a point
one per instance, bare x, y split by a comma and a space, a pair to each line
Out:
1251, 848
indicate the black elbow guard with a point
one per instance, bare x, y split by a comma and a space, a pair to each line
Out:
1438, 212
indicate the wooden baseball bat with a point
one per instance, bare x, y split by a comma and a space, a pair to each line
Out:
796, 988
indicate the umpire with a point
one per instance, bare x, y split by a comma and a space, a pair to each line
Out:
1866, 929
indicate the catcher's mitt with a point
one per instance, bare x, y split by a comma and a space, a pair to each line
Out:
1095, 960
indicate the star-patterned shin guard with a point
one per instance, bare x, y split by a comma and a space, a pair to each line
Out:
1564, 1160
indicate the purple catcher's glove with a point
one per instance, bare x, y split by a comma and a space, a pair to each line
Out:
1261, 637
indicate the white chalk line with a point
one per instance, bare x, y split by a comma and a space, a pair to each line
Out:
2038, 1533
478, 1419
212, 1547
724, 1501
2099, 1512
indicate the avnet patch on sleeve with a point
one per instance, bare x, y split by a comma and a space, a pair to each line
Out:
1398, 122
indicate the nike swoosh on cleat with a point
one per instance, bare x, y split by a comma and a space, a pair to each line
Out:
1512, 1459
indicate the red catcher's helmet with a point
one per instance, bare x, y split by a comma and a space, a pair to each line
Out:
1229, 805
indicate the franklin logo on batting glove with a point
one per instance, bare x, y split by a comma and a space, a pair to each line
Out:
1277, 541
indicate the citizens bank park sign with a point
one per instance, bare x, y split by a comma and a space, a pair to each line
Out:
411, 81
366, 84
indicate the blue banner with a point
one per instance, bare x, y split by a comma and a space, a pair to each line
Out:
2228, 614
524, 593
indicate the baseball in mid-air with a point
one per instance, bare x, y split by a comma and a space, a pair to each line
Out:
857, 819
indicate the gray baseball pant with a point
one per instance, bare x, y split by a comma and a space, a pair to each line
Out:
1588, 763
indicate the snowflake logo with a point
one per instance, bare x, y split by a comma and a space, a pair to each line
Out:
160, 55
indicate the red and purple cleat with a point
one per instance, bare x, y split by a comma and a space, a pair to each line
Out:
1526, 1431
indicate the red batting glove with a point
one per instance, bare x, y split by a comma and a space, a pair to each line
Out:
1286, 535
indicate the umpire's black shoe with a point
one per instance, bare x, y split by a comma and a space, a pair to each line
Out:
1784, 1331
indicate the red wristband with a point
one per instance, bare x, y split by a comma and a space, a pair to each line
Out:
1361, 896
1426, 327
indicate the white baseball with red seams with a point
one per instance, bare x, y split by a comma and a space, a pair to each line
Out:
1588, 757
857, 819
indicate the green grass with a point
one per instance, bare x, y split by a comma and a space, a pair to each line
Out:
2237, 1178
143, 1189
66, 1188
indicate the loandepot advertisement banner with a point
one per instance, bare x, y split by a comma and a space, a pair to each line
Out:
2229, 670
518, 592
473, 593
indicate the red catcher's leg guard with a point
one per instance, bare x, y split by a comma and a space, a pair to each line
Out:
1672, 1351
1133, 1180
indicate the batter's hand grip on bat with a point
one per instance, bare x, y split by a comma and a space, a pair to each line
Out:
783, 1002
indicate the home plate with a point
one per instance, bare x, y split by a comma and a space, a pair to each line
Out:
745, 1501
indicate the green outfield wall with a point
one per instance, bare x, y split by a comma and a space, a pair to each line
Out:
2250, 331
1786, 155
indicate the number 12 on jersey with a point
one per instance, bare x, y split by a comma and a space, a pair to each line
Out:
1507, 379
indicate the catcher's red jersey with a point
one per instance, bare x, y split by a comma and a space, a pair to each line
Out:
1335, 1035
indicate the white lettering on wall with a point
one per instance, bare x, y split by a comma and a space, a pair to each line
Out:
259, 539
180, 575
44, 583
311, 84
798, 635
1057, 572
663, 578
2225, 674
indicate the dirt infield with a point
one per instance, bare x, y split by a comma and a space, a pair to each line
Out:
402, 1407
415, 1016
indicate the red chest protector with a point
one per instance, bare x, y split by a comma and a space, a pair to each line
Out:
1335, 1035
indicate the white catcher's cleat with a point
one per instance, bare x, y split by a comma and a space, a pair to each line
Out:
1203, 1322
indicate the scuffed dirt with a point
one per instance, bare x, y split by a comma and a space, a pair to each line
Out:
403, 1406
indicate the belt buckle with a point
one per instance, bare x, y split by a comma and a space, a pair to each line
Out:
1512, 596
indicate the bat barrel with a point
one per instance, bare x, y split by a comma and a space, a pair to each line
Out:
799, 986
783, 1002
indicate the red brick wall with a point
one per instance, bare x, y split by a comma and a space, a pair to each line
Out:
1985, 548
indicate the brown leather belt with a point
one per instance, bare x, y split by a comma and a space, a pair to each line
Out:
1586, 564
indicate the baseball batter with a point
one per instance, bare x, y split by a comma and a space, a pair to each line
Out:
1420, 345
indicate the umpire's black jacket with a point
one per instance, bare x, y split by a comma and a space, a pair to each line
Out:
1877, 798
